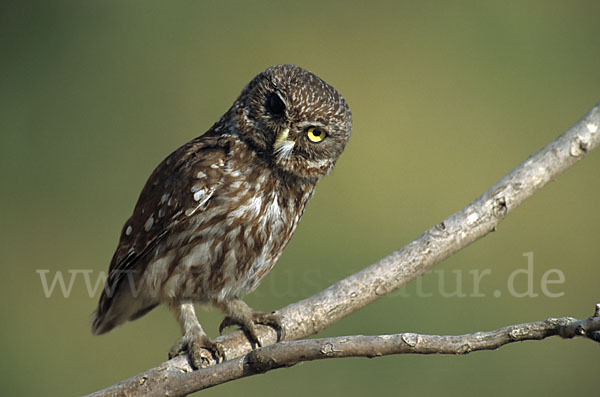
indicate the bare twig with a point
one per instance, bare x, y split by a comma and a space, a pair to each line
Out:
309, 316
287, 354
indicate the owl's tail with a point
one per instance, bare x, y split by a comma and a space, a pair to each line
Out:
100, 324
118, 307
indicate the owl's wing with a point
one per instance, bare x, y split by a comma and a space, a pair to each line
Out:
181, 185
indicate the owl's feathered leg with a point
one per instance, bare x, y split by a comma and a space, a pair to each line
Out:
239, 313
194, 340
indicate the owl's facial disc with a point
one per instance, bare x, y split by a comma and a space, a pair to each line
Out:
283, 147
295, 119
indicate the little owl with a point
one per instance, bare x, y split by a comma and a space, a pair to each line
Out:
216, 214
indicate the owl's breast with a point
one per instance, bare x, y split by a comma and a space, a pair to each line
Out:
228, 245
263, 225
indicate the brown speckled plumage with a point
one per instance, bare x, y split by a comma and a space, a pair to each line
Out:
216, 214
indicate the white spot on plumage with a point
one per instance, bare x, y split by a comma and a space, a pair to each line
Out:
592, 127
273, 210
204, 200
261, 179
255, 204
235, 184
149, 223
128, 230
321, 163
252, 208
214, 166
198, 195
164, 198
161, 213
200, 175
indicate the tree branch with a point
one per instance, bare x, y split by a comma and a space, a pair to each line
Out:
311, 315
287, 354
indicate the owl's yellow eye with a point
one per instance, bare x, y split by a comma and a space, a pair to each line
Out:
315, 134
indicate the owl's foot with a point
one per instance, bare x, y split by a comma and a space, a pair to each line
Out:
239, 313
199, 347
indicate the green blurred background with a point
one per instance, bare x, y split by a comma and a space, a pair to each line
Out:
446, 96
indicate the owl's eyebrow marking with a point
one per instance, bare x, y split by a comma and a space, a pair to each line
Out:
305, 124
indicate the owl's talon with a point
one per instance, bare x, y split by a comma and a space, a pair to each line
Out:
248, 321
226, 323
200, 348
247, 325
273, 320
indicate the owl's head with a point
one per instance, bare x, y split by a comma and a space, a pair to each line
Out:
294, 119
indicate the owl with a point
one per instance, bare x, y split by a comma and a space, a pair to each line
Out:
216, 214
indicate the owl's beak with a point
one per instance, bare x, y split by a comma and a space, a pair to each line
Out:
283, 146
